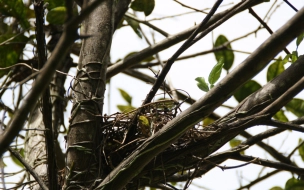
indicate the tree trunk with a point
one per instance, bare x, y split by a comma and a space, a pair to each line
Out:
84, 165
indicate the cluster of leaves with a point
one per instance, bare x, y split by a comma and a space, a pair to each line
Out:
12, 38
225, 59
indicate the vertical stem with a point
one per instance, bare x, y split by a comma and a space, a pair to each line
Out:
46, 105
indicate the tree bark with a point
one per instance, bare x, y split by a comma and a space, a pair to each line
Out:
84, 165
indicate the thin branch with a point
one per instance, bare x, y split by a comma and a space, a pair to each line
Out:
29, 169
295, 149
283, 125
181, 14
252, 183
192, 8
251, 11
290, 5
46, 105
147, 24
268, 163
257, 139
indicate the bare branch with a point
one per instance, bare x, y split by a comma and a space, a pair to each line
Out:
148, 24
29, 168
182, 4
268, 163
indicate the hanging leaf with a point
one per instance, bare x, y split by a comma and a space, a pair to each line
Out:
301, 149
202, 84
275, 69
145, 6
10, 51
281, 116
134, 25
216, 72
296, 106
56, 16
247, 89
294, 184
299, 39
227, 55
125, 96
125, 108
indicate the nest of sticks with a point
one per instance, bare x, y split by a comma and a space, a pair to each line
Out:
124, 132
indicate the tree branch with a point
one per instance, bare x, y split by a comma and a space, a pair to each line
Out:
268, 163
29, 169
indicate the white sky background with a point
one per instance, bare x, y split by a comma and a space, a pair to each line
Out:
183, 74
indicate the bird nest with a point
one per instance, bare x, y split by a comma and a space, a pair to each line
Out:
124, 132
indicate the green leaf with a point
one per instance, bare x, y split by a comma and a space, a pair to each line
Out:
56, 15
301, 149
15, 9
275, 69
294, 184
143, 120
202, 84
247, 89
11, 51
15, 160
235, 142
300, 39
296, 106
281, 116
276, 188
134, 25
286, 59
216, 71
207, 121
227, 55
125, 108
294, 56
145, 6
125, 96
